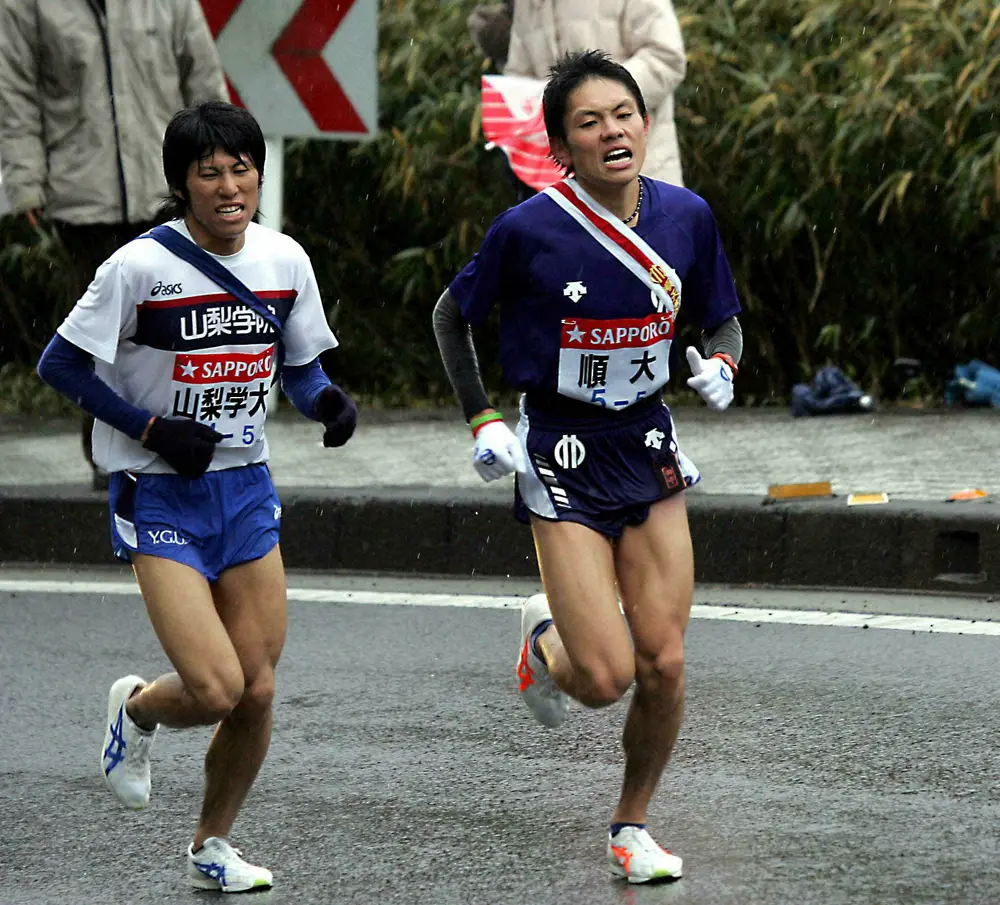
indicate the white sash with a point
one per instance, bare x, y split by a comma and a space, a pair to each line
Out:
622, 243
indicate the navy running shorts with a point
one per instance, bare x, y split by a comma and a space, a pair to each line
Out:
211, 524
603, 470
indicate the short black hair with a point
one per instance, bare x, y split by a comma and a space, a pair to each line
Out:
572, 70
195, 133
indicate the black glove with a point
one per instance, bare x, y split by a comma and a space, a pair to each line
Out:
185, 445
339, 414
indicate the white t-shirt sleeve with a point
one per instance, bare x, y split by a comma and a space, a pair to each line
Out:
98, 320
306, 332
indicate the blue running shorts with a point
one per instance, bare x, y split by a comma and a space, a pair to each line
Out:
603, 470
211, 524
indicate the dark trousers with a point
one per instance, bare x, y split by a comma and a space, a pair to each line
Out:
87, 248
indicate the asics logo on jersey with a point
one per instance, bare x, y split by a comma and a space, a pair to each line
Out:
162, 288
167, 536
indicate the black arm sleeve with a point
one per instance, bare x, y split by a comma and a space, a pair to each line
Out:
726, 338
454, 339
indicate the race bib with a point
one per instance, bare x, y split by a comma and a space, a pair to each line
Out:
615, 363
225, 390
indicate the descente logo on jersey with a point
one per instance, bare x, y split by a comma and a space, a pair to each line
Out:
235, 367
167, 536
162, 288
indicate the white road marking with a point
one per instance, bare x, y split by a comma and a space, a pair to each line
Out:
734, 613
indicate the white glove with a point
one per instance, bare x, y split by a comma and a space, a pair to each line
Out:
497, 452
712, 380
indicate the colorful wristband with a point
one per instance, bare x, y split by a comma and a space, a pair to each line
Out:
728, 359
480, 421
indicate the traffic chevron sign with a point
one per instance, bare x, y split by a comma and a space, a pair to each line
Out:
302, 67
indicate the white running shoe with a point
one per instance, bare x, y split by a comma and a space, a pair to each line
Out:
217, 865
634, 855
544, 698
125, 752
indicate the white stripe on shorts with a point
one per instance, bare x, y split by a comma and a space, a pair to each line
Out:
534, 491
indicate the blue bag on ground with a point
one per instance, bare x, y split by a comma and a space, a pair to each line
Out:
974, 384
831, 392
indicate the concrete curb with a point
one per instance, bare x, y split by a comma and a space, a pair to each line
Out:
939, 547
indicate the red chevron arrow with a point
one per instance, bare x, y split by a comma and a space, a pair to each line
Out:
298, 52
217, 14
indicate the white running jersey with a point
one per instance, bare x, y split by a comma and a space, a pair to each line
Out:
169, 340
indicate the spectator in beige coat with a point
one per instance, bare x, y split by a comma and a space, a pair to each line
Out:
87, 88
643, 35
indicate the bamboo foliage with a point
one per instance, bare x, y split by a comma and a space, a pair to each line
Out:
852, 152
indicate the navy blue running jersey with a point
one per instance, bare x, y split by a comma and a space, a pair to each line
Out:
573, 318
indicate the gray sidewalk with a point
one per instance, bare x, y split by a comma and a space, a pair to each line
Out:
403, 471
910, 455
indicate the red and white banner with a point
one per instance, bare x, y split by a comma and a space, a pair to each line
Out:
513, 122
302, 67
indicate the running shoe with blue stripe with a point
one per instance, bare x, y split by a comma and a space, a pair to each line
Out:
126, 748
219, 866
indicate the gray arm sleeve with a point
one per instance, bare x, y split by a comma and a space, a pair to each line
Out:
727, 338
454, 339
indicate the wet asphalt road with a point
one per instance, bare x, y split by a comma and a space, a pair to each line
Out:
816, 765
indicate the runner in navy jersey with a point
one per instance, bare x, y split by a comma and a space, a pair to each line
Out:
176, 370
590, 278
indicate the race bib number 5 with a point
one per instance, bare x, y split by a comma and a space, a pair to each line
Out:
225, 390
614, 363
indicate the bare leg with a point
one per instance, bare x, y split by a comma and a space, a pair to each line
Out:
656, 576
251, 600
588, 650
224, 642
209, 681
234, 758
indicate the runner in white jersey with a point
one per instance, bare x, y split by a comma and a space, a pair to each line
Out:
175, 358
590, 278
171, 341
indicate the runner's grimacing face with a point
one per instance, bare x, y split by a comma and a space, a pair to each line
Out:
605, 134
223, 194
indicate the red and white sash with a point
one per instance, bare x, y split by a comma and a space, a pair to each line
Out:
622, 243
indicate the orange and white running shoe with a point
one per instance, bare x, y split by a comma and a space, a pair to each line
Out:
634, 855
544, 698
